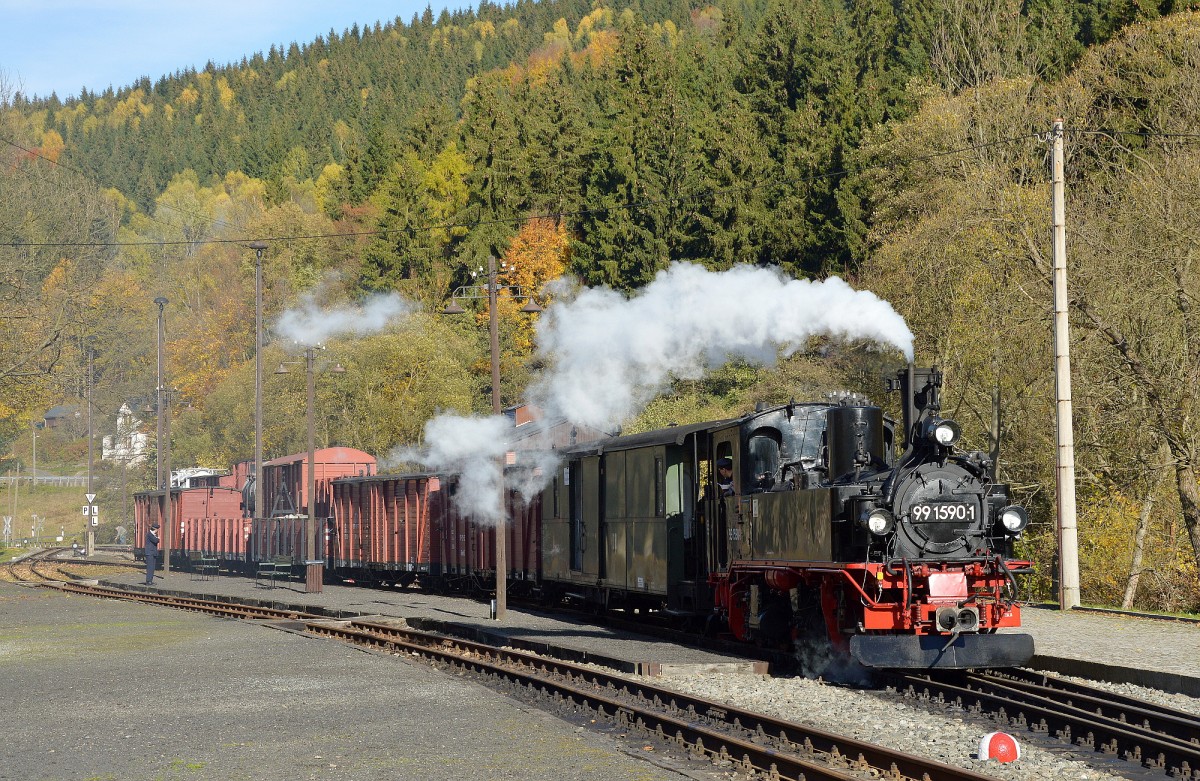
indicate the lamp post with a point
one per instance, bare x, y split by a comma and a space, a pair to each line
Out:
454, 308
163, 450
316, 565
90, 542
259, 247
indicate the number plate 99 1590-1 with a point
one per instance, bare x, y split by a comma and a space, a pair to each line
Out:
935, 512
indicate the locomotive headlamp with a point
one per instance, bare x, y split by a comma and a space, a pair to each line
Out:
1014, 518
880, 522
945, 432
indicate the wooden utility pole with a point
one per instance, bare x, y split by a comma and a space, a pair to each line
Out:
163, 446
1068, 540
531, 307
259, 247
90, 542
502, 526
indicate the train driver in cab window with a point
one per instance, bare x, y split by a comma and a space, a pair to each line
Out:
725, 476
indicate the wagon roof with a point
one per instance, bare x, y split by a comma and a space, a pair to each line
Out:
385, 476
326, 455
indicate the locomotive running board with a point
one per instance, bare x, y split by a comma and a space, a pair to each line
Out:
936, 652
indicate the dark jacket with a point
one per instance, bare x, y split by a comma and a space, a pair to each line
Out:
151, 542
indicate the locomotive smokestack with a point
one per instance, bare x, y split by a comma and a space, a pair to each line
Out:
918, 392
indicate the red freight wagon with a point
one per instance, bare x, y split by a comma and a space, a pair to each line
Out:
220, 538
285, 480
407, 526
239, 476
282, 536
207, 520
383, 523
470, 547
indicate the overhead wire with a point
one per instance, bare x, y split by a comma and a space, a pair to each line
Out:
92, 180
633, 206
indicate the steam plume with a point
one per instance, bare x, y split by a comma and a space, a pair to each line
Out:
611, 355
309, 324
472, 448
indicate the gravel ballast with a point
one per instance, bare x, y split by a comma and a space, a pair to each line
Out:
947, 735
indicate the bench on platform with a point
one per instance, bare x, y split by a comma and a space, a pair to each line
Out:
210, 566
270, 570
203, 566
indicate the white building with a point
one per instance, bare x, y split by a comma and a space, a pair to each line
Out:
129, 445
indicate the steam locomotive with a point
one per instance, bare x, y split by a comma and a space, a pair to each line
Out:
821, 531
829, 525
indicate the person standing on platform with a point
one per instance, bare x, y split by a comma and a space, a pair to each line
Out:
151, 552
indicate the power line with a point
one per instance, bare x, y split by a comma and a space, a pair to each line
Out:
636, 205
98, 185
1142, 133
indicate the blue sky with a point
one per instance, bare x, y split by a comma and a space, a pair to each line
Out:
64, 45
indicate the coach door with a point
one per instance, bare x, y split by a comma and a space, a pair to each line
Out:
587, 514
726, 532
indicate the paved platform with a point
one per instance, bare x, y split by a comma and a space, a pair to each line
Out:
1149, 652
106, 690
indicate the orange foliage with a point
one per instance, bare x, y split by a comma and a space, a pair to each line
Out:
536, 255
58, 278
545, 60
201, 357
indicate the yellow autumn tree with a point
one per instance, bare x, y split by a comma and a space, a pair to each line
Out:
537, 255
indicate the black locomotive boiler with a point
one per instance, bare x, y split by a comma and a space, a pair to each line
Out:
798, 521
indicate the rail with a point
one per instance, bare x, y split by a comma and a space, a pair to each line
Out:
1137, 731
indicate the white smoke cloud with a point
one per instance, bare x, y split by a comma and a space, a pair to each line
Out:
309, 324
472, 448
611, 355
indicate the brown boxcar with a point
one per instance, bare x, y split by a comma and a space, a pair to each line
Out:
239, 476
470, 547
285, 480
405, 527
207, 520
279, 537
384, 523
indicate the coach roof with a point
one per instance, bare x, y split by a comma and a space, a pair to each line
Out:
672, 435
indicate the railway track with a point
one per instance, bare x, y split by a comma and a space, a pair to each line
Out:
1151, 735
48, 565
728, 736
750, 741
